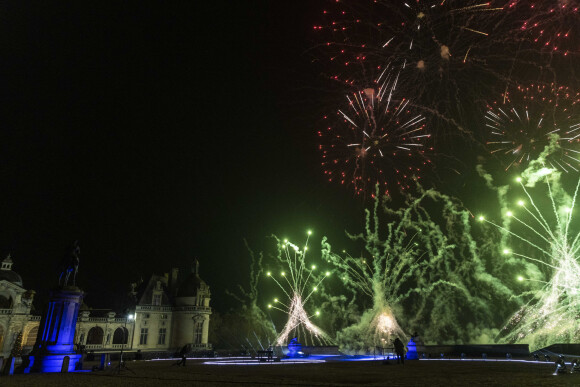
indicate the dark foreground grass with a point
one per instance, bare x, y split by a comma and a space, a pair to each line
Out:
370, 373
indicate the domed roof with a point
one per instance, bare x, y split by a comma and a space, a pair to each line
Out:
192, 283
7, 274
11, 276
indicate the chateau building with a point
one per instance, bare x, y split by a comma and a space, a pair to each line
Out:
15, 310
167, 313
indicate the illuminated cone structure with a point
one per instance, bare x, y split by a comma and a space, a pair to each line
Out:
299, 325
553, 244
294, 284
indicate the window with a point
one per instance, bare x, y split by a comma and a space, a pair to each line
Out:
143, 338
95, 336
120, 336
161, 339
163, 317
157, 299
198, 333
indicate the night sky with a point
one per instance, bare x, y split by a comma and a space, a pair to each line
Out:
156, 133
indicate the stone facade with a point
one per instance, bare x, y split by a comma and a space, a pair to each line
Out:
15, 316
166, 314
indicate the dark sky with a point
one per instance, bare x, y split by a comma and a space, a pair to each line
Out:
156, 133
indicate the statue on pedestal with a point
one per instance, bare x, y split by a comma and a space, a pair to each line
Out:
70, 264
54, 348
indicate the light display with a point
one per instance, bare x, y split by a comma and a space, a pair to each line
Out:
298, 282
551, 25
544, 233
521, 125
443, 49
378, 138
418, 263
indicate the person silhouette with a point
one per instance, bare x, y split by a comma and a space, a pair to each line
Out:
399, 350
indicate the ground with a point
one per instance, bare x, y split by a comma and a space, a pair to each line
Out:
369, 373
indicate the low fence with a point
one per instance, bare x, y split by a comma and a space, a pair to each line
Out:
474, 350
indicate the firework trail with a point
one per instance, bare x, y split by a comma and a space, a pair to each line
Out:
551, 26
298, 283
542, 232
378, 138
422, 270
446, 49
253, 328
522, 124
425, 32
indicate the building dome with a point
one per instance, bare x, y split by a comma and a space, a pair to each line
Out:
7, 274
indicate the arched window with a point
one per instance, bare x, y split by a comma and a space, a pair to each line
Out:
120, 336
31, 337
95, 336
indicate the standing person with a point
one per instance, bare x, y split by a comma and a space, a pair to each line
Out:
180, 362
182, 353
399, 350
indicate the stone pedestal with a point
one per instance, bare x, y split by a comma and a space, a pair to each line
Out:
54, 348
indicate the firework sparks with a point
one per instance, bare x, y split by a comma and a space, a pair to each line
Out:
252, 328
550, 241
442, 50
359, 31
415, 266
522, 125
299, 283
377, 139
550, 24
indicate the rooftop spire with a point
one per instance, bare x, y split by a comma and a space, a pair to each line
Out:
7, 263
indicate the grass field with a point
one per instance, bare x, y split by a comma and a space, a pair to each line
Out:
368, 373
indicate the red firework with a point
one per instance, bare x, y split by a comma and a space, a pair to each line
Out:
376, 139
522, 125
426, 34
551, 24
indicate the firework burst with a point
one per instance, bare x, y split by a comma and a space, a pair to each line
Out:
526, 121
550, 241
442, 45
298, 284
376, 139
552, 25
356, 31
